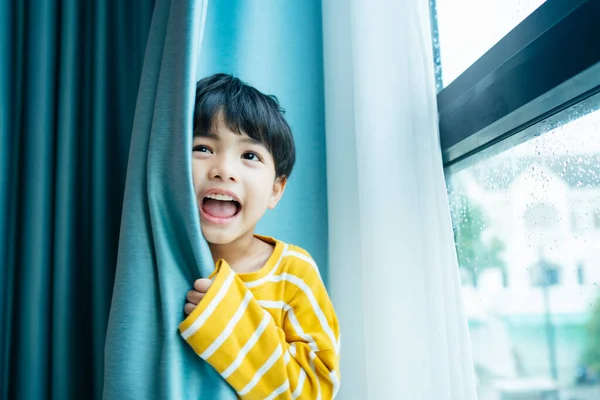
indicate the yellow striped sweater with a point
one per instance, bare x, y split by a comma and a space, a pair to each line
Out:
272, 334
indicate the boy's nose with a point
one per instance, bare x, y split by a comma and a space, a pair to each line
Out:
223, 170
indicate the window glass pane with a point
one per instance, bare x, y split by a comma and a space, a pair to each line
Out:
466, 29
527, 230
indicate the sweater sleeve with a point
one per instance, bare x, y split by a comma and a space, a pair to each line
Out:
234, 333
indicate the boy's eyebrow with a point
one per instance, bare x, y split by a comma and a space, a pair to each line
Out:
249, 140
212, 135
206, 134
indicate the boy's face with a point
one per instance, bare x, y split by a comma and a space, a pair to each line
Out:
234, 181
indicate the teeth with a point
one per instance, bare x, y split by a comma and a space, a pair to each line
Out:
221, 197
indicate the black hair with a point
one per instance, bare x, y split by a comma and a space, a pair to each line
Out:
245, 110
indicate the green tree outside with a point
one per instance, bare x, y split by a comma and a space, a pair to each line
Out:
592, 354
474, 254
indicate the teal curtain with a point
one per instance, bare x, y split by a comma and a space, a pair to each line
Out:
161, 249
69, 75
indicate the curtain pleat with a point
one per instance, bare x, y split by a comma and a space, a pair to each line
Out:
68, 85
161, 249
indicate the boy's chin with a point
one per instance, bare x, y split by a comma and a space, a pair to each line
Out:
215, 237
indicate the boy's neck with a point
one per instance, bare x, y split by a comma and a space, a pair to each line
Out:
245, 254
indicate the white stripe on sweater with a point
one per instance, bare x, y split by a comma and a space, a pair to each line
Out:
293, 320
305, 258
229, 328
197, 324
265, 278
262, 370
300, 386
313, 301
335, 380
287, 357
248, 346
314, 370
279, 390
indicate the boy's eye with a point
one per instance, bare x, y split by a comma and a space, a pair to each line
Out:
201, 149
251, 156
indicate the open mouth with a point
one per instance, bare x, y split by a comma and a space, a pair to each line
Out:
220, 208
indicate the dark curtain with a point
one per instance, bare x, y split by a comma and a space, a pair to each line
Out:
69, 75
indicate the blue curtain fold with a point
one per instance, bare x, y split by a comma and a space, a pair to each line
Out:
161, 249
68, 84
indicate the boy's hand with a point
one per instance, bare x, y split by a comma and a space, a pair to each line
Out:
196, 294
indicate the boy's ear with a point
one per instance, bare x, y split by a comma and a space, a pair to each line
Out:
278, 189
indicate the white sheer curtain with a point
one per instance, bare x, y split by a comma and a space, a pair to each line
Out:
393, 270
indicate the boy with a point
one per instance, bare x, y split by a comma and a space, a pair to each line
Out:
263, 319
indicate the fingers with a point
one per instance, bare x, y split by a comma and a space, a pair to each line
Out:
202, 285
188, 308
194, 297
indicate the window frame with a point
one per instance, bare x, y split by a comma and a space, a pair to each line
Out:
537, 71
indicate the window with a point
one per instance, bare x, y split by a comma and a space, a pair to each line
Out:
519, 115
469, 28
544, 273
537, 325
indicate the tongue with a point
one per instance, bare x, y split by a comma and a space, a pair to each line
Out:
220, 209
